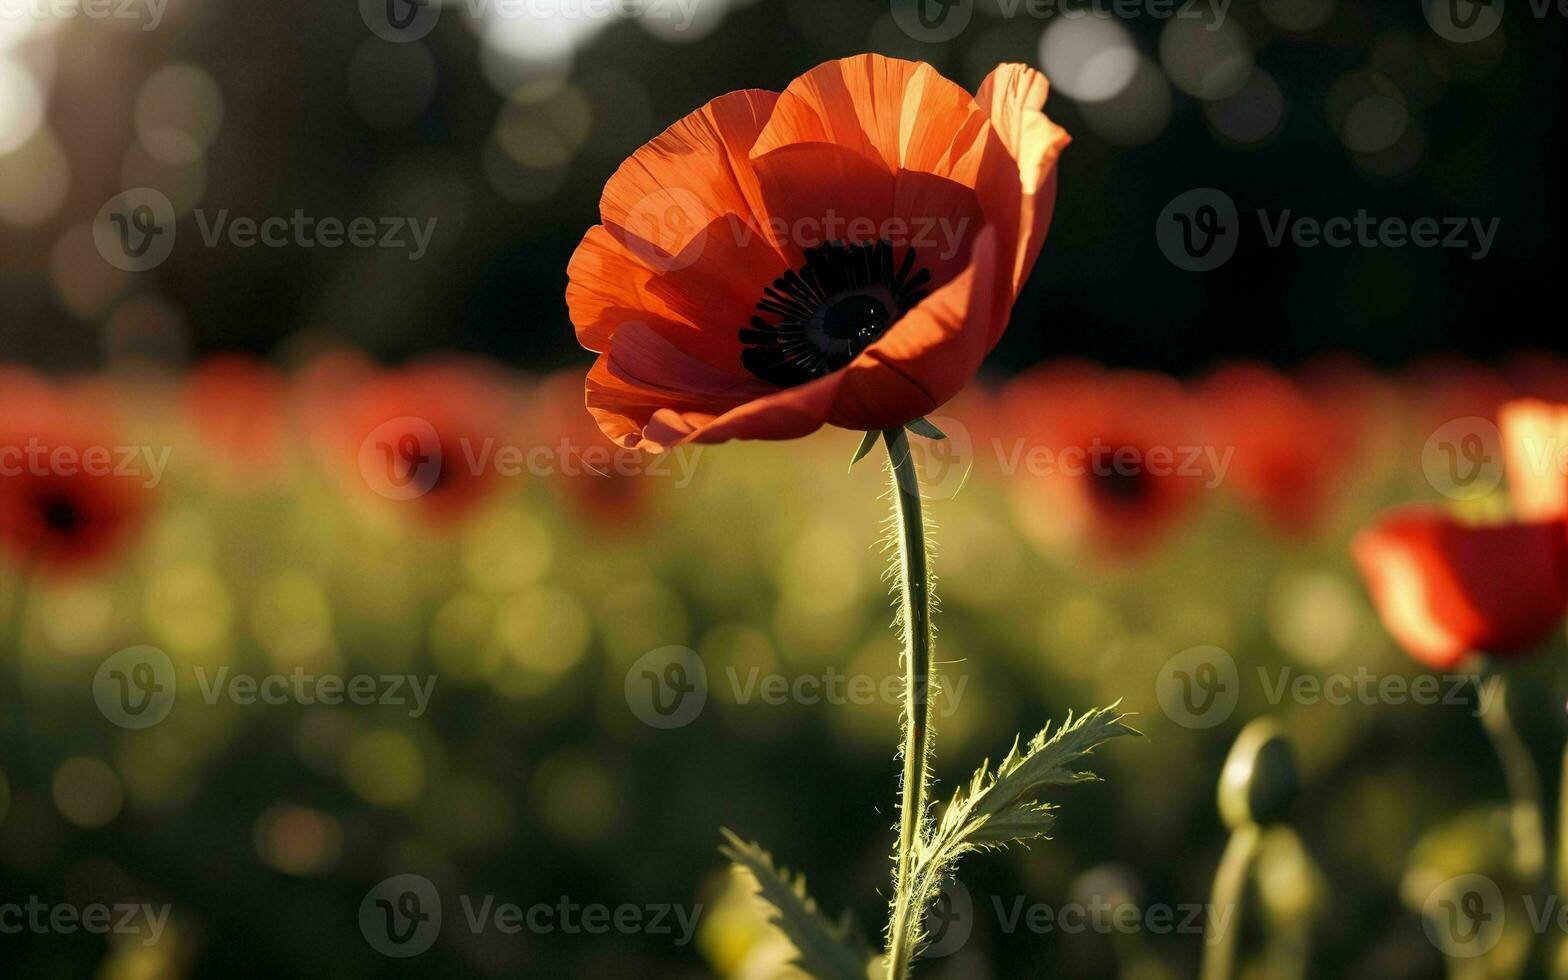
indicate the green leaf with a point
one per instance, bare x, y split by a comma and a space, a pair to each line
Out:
824, 950
869, 440
923, 427
1002, 807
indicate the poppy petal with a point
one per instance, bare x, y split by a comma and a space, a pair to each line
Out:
693, 172
1535, 448
1013, 96
1446, 589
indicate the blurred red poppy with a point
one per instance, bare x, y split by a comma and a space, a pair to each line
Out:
1108, 459
1446, 588
235, 405
845, 253
1291, 450
71, 494
427, 435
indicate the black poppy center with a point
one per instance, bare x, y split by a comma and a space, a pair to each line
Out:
829, 310
60, 514
1125, 487
856, 317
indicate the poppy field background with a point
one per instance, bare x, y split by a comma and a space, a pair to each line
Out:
254, 525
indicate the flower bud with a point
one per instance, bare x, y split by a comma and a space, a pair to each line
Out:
1260, 781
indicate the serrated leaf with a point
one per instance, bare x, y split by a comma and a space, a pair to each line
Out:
923, 427
1002, 807
866, 442
824, 950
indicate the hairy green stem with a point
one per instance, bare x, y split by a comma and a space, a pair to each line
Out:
916, 615
1230, 885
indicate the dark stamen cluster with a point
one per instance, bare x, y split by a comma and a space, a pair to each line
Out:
829, 310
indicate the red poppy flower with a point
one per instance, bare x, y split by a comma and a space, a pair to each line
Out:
1445, 588
68, 502
235, 406
1291, 450
427, 435
845, 252
1106, 458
